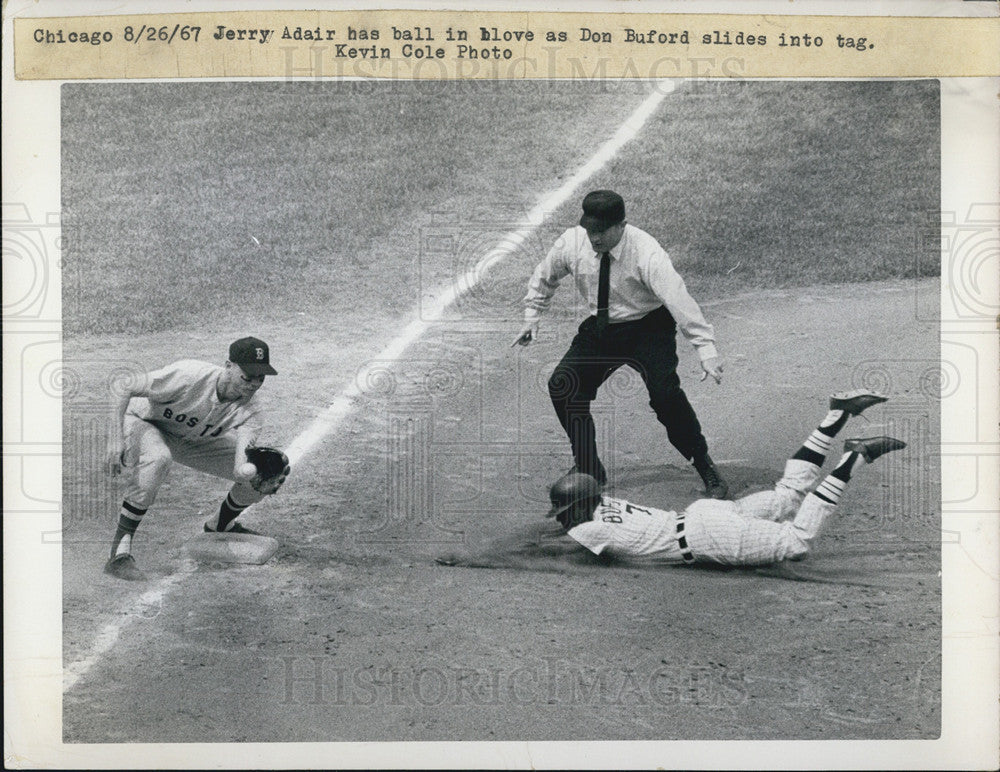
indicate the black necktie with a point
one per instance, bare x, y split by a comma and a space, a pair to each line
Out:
603, 291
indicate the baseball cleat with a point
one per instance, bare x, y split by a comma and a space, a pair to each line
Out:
715, 486
237, 528
873, 447
124, 567
857, 401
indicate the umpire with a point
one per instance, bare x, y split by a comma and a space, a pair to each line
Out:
637, 301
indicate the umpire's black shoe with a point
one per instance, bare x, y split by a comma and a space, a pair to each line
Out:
857, 401
124, 567
598, 472
873, 447
715, 486
237, 528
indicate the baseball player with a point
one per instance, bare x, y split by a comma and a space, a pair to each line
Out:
199, 414
762, 528
637, 302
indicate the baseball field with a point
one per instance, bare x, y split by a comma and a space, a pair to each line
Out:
330, 220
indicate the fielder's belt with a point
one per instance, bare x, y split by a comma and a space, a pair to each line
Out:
682, 541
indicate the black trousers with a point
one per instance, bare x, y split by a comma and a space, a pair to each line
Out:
649, 346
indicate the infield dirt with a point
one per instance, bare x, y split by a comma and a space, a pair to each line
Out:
353, 632
322, 218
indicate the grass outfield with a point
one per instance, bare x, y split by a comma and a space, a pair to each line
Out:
165, 188
784, 184
190, 204
317, 216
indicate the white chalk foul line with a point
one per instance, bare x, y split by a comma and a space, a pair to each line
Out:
331, 417
146, 607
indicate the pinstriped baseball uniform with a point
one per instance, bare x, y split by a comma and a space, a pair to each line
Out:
762, 528
182, 419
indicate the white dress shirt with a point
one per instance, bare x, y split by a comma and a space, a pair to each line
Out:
642, 279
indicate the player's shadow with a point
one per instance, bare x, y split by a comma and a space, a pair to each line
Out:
540, 546
545, 547
570, 557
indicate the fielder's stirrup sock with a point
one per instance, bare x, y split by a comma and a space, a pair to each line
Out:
833, 486
228, 511
128, 521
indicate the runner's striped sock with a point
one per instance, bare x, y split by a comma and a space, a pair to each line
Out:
128, 521
817, 444
833, 486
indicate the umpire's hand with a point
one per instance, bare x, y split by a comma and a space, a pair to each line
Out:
712, 366
527, 334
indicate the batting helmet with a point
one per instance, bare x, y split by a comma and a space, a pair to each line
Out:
571, 488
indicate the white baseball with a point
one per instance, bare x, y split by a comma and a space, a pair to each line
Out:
248, 470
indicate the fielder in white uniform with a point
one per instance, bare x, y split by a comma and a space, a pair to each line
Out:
762, 528
198, 414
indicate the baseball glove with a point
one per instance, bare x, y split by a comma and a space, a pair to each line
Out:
272, 468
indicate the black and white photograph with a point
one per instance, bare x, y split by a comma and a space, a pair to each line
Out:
508, 411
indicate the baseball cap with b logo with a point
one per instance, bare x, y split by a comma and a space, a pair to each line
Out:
251, 354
